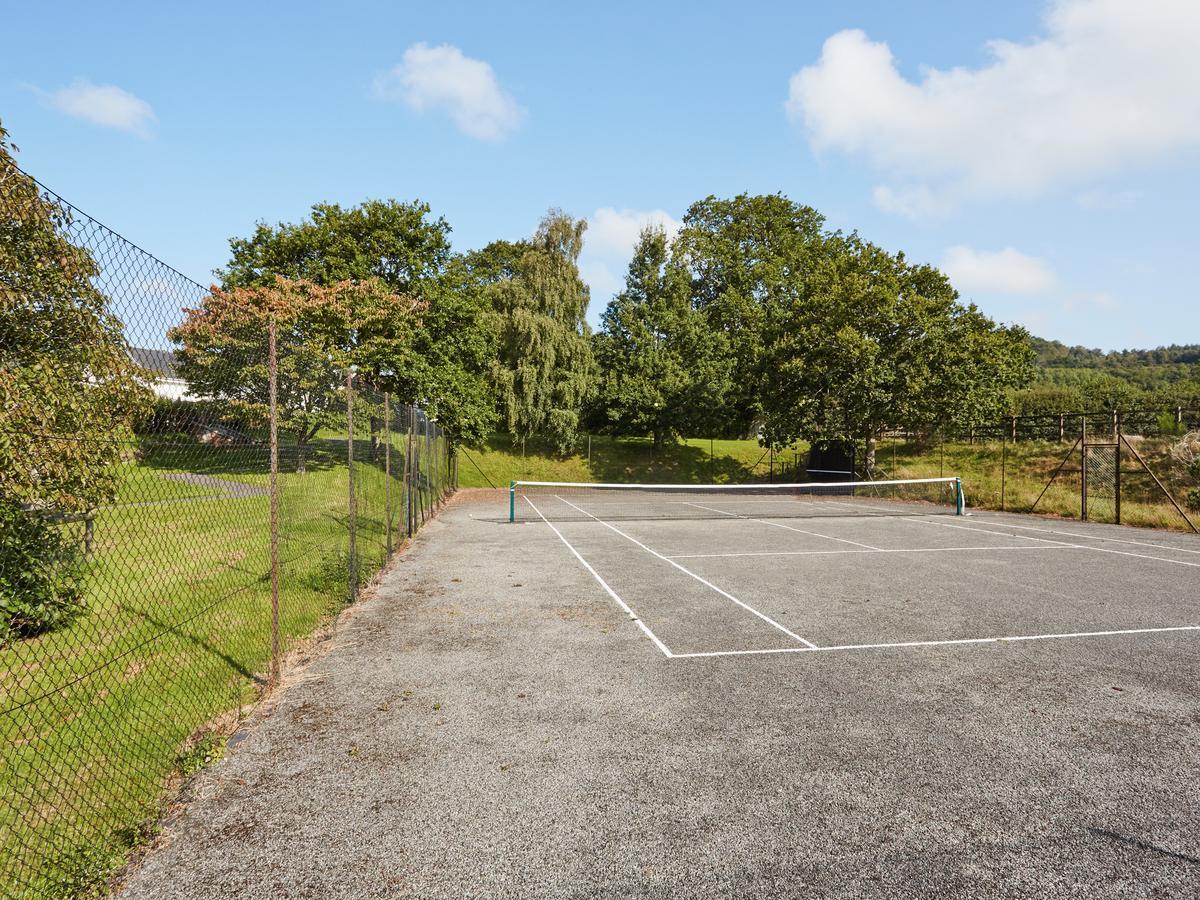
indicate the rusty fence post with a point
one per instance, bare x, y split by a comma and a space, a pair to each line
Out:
387, 470
273, 413
352, 500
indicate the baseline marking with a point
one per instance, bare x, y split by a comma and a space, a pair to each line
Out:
788, 527
902, 644
625, 606
809, 644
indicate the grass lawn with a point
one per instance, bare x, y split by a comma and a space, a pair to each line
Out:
99, 715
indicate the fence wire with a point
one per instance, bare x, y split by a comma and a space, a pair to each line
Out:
137, 578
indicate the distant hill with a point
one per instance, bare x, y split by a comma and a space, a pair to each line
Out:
1149, 370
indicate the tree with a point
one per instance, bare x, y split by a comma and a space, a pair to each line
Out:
69, 392
542, 371
873, 342
749, 259
320, 333
385, 239
445, 367
663, 371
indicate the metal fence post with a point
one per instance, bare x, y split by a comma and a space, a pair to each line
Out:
352, 505
1083, 461
1117, 469
273, 378
1003, 475
387, 470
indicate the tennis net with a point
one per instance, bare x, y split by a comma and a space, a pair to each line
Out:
561, 501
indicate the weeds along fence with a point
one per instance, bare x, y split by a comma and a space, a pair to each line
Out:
159, 553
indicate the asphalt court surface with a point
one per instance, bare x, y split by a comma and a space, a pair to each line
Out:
777, 584
491, 722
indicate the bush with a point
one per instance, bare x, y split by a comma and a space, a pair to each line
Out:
41, 574
1168, 427
1193, 499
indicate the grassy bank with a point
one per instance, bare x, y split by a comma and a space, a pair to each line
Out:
995, 475
99, 716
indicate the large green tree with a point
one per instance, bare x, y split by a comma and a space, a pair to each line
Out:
446, 365
874, 342
543, 368
69, 396
749, 259
662, 369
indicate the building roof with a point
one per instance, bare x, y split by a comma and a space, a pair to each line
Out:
160, 362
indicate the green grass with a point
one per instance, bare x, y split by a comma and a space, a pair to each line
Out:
691, 461
99, 716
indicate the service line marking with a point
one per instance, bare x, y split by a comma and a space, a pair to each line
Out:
941, 643
884, 550
746, 606
604, 584
827, 537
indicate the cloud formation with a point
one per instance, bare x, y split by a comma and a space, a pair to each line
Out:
1006, 271
608, 247
1109, 84
466, 89
103, 104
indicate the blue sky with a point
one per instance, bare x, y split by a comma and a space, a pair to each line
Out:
1045, 154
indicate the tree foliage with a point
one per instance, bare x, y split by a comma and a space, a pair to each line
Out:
69, 391
542, 370
445, 365
663, 371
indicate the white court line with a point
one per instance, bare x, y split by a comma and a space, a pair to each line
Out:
885, 550
625, 606
828, 537
952, 641
1092, 537
703, 581
1025, 537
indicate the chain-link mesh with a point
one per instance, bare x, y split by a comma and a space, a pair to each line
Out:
1101, 460
136, 588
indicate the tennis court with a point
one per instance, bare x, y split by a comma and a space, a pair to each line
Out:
802, 569
602, 699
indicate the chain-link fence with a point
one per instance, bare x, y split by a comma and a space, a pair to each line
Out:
160, 551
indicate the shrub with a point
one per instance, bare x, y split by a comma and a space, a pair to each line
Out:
1193, 499
41, 574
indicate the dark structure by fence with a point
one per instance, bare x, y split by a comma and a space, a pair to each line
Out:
160, 552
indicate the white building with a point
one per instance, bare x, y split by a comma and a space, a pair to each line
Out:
167, 383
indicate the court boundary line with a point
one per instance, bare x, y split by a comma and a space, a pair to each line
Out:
879, 550
686, 571
604, 584
890, 645
1090, 537
1025, 537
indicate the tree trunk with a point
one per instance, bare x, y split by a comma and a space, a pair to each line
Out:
659, 439
301, 451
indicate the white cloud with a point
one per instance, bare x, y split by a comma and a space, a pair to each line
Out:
615, 232
1109, 84
1099, 198
1006, 271
608, 246
103, 104
430, 78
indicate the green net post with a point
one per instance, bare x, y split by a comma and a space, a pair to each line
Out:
512, 501
960, 500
